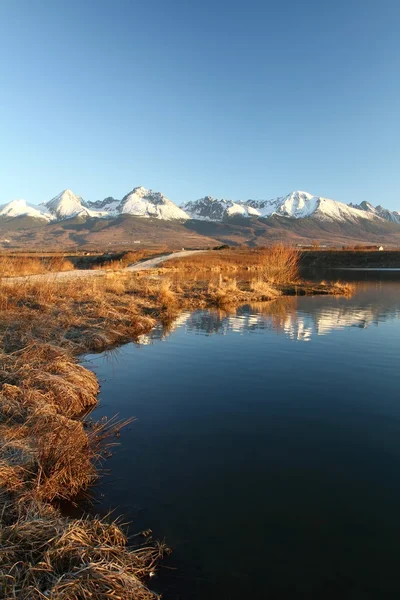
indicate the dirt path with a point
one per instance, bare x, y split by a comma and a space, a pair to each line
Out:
68, 275
154, 262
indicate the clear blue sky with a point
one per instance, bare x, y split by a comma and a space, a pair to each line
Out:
237, 99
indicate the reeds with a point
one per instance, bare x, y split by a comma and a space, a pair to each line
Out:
280, 264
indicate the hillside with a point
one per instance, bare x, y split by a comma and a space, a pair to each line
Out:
124, 230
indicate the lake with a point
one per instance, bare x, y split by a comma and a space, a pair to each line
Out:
266, 448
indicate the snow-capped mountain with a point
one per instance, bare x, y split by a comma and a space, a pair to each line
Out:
140, 202
145, 203
302, 204
20, 208
296, 205
378, 211
67, 205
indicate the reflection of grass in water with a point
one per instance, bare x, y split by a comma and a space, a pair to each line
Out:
277, 311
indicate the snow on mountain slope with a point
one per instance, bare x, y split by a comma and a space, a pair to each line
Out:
264, 207
296, 205
331, 210
212, 209
141, 202
392, 216
242, 210
109, 205
67, 205
19, 208
299, 205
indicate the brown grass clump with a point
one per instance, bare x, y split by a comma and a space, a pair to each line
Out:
264, 289
48, 556
166, 295
280, 264
44, 455
225, 293
228, 292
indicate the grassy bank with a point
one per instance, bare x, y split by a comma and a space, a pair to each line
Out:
22, 264
48, 452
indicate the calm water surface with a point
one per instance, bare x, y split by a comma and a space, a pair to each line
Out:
266, 448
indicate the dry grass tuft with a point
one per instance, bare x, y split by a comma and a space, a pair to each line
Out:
264, 289
280, 264
343, 288
166, 296
225, 293
48, 556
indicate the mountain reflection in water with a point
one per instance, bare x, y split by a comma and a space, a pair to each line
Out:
298, 318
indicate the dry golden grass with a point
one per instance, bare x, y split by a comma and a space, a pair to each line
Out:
46, 450
278, 263
49, 556
265, 289
225, 293
343, 288
228, 292
11, 266
166, 295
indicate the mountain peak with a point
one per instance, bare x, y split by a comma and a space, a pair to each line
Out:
300, 193
140, 189
19, 208
142, 202
65, 205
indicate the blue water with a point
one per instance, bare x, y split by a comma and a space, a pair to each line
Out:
266, 448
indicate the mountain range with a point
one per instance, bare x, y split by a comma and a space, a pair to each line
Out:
298, 215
